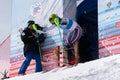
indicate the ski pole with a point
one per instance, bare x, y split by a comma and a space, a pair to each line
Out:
36, 30
56, 20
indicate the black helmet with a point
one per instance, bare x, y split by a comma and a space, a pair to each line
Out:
30, 22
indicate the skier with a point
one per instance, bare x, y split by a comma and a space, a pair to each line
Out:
71, 32
31, 47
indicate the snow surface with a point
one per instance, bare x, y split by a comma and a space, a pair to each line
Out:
102, 69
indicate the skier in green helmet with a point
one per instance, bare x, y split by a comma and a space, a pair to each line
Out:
72, 32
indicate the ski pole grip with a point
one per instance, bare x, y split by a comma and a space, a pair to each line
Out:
35, 28
56, 20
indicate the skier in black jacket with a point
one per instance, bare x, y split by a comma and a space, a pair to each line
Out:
31, 42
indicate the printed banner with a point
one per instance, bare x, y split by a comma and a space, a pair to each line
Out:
109, 27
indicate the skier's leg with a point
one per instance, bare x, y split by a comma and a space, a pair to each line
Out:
25, 63
70, 52
38, 62
65, 53
76, 51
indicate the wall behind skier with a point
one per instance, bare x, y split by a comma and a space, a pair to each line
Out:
69, 9
5, 19
109, 27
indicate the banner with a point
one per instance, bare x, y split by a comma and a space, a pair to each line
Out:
109, 27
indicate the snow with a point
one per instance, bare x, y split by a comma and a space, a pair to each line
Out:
102, 69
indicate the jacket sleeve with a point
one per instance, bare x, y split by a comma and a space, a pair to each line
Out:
28, 39
39, 27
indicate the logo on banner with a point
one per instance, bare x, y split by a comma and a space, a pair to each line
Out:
118, 24
36, 9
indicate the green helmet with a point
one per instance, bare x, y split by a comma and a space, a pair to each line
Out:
52, 17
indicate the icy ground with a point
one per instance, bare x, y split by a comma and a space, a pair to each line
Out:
103, 69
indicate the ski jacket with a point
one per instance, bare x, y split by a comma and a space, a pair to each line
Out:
71, 31
31, 41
